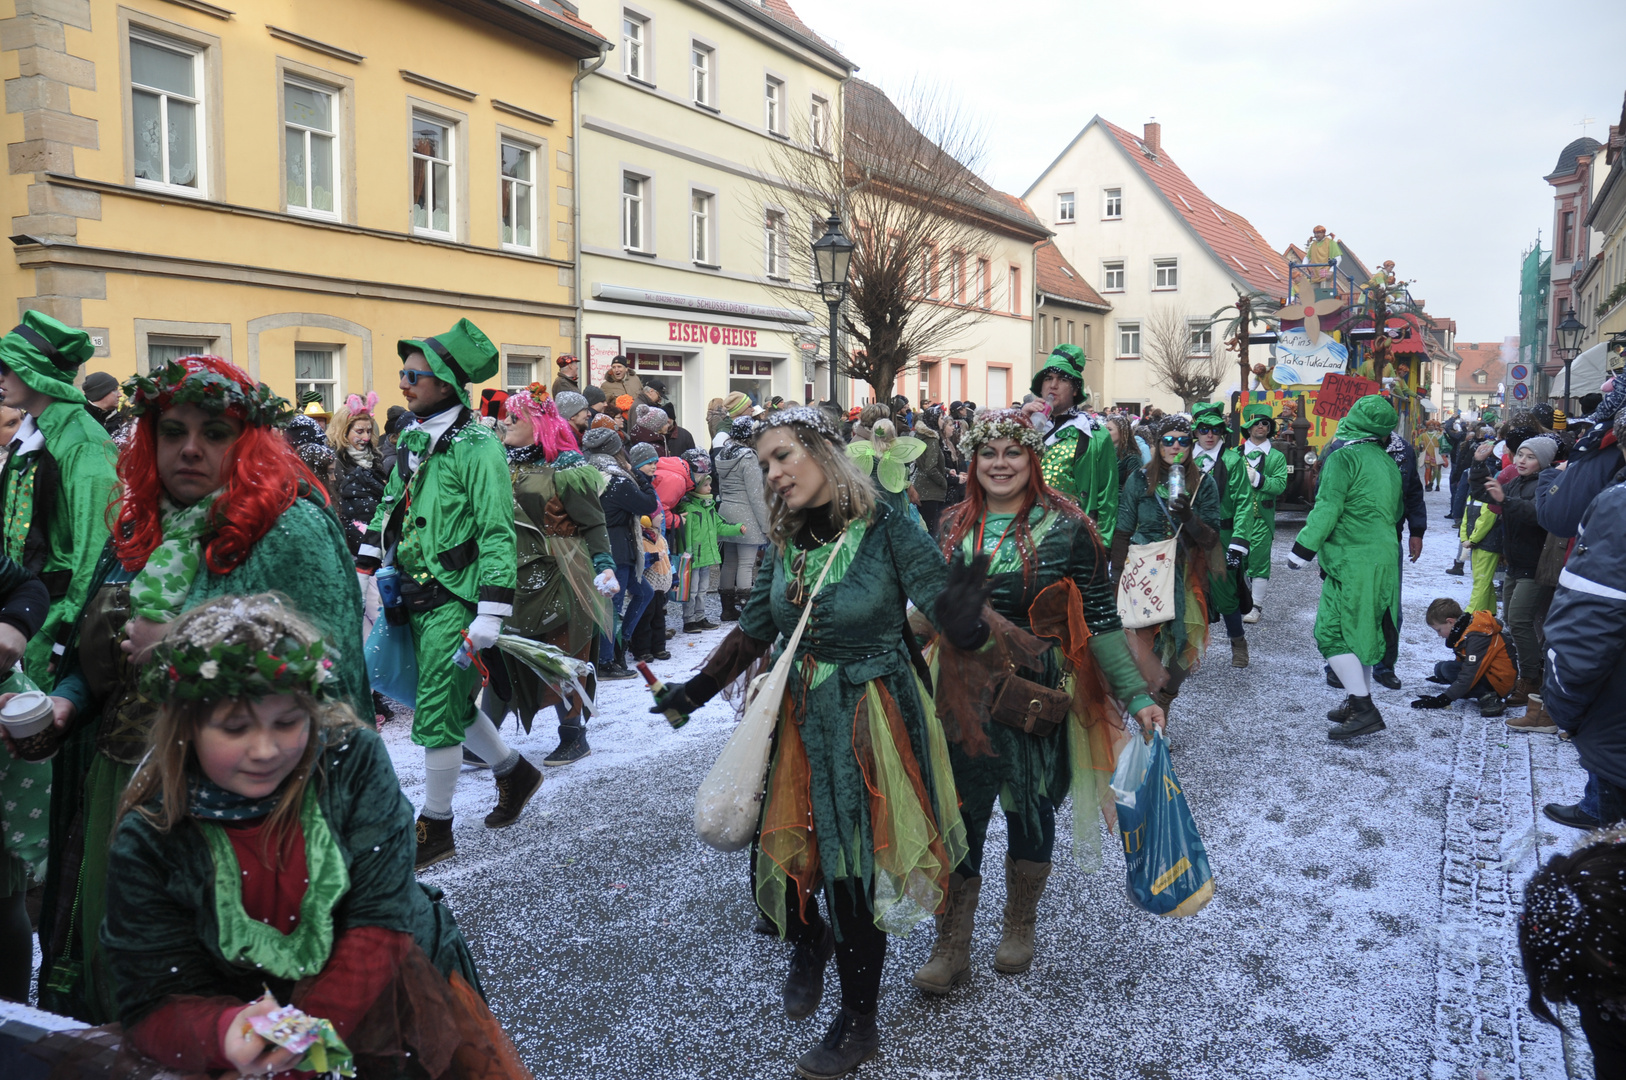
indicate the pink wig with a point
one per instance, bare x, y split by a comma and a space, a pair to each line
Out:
548, 428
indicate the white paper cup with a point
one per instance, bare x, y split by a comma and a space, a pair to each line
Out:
27, 719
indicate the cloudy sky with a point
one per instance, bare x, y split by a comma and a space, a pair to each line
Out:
1417, 132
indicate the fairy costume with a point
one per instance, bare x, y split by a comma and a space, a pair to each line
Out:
302, 554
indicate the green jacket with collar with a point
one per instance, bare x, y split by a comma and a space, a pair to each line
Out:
460, 500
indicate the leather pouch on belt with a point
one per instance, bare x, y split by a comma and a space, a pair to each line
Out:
1029, 706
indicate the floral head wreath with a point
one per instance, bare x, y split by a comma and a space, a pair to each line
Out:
1012, 424
806, 416
189, 672
188, 382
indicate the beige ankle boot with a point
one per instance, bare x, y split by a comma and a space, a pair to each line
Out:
1239, 652
950, 961
1024, 884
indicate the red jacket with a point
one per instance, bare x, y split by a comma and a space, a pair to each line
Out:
672, 482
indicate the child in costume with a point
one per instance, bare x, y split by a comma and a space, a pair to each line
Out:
264, 855
1483, 668
1265, 478
702, 526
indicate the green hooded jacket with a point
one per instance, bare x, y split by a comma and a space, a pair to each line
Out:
702, 525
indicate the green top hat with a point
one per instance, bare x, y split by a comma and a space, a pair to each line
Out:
459, 356
1209, 414
46, 355
1254, 413
1068, 360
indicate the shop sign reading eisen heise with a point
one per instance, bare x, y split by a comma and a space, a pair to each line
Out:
715, 335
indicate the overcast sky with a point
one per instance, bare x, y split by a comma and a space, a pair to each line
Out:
1418, 132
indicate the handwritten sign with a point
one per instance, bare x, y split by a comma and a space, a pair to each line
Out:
1302, 360
1339, 392
601, 349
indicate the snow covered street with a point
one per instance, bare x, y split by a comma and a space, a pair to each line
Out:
1363, 923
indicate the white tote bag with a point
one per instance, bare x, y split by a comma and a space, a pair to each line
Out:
1146, 586
729, 801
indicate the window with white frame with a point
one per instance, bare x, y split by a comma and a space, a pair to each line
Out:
310, 130
634, 40
519, 372
166, 112
1129, 340
433, 176
776, 245
518, 195
774, 105
1066, 206
701, 59
314, 369
633, 191
1202, 339
1112, 202
818, 123
1165, 273
700, 227
161, 350
1112, 276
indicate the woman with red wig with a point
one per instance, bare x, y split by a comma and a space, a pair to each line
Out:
1046, 574
215, 504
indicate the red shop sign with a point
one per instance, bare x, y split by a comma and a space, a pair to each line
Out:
715, 335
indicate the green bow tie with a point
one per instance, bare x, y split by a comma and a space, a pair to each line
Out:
415, 441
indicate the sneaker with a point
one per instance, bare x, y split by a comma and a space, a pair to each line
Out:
435, 843
671, 632
1573, 816
572, 747
513, 792
1364, 719
695, 627
646, 657
1492, 705
663, 655
614, 671
1252, 616
1385, 677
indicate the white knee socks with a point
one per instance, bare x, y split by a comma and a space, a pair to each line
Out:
440, 765
1257, 586
1356, 678
482, 738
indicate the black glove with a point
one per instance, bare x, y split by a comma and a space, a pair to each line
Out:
1236, 554
1433, 701
1438, 680
959, 606
1180, 508
674, 696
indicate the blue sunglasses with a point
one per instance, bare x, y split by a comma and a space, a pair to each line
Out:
412, 375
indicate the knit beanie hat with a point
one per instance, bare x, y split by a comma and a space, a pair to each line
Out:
742, 429
570, 403
641, 454
651, 422
593, 394
602, 441
699, 462
1545, 447
736, 403
604, 421
98, 384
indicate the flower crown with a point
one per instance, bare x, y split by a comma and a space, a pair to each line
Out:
178, 384
220, 672
805, 415
1012, 424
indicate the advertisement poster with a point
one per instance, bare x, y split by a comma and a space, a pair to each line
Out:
601, 349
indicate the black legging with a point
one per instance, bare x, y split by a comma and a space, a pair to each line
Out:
860, 944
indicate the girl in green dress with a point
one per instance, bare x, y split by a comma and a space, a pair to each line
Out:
860, 796
1048, 574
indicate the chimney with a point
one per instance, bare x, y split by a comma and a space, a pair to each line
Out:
1153, 138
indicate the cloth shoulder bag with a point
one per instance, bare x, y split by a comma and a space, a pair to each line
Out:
1146, 586
729, 801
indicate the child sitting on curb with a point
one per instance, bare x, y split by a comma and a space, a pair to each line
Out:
1483, 668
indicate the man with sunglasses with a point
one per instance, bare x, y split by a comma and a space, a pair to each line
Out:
446, 524
1079, 459
1229, 471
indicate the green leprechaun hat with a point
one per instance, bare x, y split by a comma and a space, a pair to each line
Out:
1067, 360
1209, 414
458, 356
1254, 413
46, 355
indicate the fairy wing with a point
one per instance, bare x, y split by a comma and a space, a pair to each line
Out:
893, 469
862, 451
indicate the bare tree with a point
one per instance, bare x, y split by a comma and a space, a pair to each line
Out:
1176, 361
905, 186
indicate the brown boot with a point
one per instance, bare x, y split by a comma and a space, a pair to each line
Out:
1239, 651
1521, 692
1024, 884
1535, 720
950, 962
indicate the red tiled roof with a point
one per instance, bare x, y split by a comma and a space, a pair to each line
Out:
1232, 239
1484, 356
1057, 277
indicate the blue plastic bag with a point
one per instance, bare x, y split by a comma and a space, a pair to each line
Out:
392, 666
1166, 860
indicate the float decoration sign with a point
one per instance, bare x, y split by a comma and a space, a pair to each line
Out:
1305, 360
1340, 392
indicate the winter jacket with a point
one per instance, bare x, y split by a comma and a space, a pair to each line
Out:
931, 474
740, 498
562, 385
678, 440
627, 498
632, 386
1522, 535
702, 527
1485, 650
360, 488
1561, 503
1411, 485
1483, 535
1585, 686
672, 481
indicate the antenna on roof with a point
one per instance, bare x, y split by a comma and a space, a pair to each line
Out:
1584, 122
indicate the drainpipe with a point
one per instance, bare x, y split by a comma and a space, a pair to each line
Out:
1038, 324
580, 344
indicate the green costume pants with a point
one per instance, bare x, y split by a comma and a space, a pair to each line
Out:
445, 706
1261, 534
1483, 596
1223, 596
1349, 618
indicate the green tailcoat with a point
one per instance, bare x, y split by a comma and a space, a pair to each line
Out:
1089, 474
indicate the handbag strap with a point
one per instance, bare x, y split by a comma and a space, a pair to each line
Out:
801, 624
1165, 509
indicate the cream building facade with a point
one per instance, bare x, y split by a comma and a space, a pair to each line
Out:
686, 254
1148, 240
294, 187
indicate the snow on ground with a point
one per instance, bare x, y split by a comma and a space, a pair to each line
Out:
1363, 924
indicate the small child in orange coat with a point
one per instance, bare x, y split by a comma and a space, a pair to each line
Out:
1483, 668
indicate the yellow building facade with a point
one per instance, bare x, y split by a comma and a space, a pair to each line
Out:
297, 185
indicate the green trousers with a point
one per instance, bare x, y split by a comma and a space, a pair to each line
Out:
445, 707
1483, 596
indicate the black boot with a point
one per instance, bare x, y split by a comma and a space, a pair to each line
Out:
1455, 569
572, 746
617, 667
435, 843
513, 792
851, 1041
1364, 719
1492, 705
1386, 677
804, 984
731, 604
1342, 712
1332, 679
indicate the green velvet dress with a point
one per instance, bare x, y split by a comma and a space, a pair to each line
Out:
166, 920
856, 733
1143, 514
304, 557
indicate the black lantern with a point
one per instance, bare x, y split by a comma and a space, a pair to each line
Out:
1569, 332
832, 259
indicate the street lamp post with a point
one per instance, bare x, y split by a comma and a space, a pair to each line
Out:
832, 258
1568, 331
